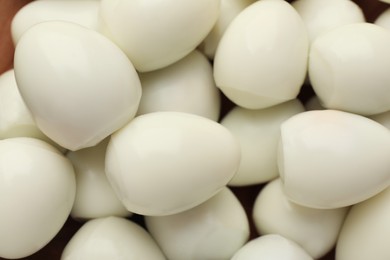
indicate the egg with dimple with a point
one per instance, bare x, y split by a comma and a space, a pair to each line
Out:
330, 159
215, 229
348, 68
79, 86
185, 86
271, 247
111, 238
166, 162
155, 34
83, 12
37, 191
261, 59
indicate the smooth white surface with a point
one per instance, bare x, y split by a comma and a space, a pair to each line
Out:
167, 162
271, 247
229, 9
185, 86
330, 159
79, 86
384, 19
261, 59
348, 68
15, 118
321, 16
37, 191
366, 230
84, 13
111, 238
315, 230
95, 197
382, 118
258, 132
155, 34
215, 229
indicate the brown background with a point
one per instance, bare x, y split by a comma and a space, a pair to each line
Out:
8, 8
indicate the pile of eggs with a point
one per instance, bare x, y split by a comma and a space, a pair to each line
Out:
142, 120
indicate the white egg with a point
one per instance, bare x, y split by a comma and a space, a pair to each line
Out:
167, 162
366, 231
83, 12
382, 118
383, 19
15, 118
315, 230
229, 9
155, 34
95, 197
258, 132
37, 190
185, 86
111, 238
79, 86
348, 68
385, 1
215, 229
321, 16
271, 247
330, 158
261, 59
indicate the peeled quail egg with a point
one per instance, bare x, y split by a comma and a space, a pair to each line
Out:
331, 159
261, 59
79, 86
166, 162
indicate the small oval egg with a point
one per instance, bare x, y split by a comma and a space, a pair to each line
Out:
271, 247
258, 133
37, 190
215, 229
155, 34
366, 231
348, 68
82, 12
95, 197
229, 9
315, 230
79, 86
167, 162
185, 86
111, 238
330, 159
321, 16
253, 61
